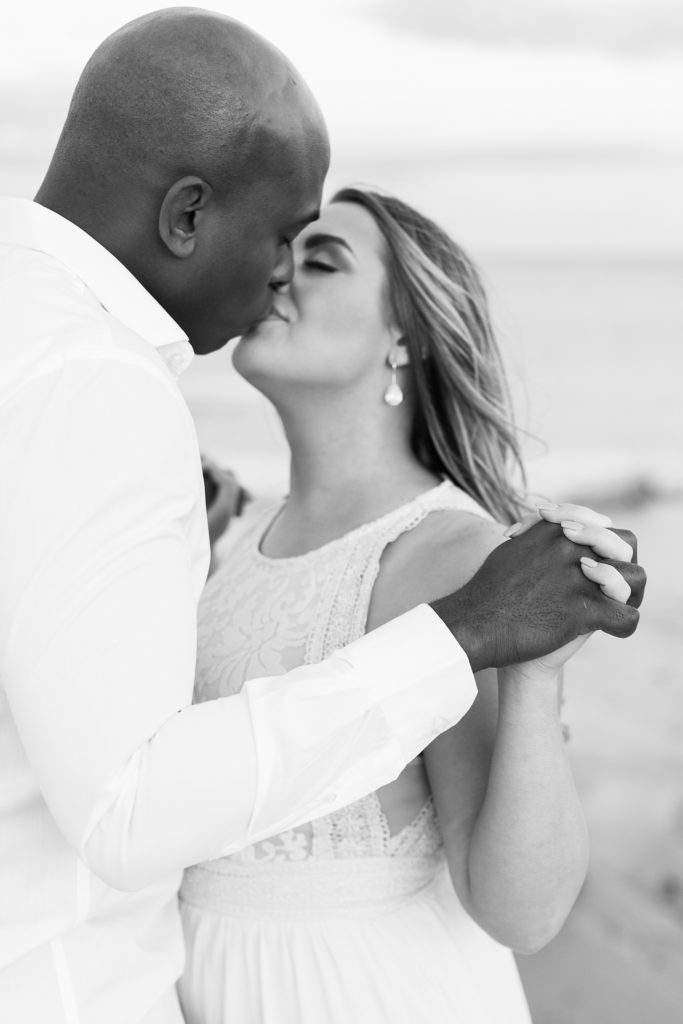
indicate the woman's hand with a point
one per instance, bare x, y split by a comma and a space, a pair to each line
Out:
584, 526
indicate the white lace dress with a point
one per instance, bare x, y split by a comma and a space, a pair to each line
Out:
350, 919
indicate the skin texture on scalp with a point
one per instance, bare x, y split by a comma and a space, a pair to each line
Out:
175, 93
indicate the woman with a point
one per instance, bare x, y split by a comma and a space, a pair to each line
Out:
402, 908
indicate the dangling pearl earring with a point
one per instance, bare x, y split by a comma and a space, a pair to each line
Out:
394, 393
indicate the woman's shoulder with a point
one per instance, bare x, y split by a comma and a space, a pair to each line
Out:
434, 558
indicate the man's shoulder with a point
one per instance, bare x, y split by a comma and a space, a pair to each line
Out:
49, 317
30, 280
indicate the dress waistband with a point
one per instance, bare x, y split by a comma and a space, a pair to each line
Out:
308, 888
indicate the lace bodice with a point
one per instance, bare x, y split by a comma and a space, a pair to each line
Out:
264, 616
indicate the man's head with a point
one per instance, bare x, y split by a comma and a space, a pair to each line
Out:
194, 152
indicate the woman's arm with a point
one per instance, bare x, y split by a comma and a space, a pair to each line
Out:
513, 829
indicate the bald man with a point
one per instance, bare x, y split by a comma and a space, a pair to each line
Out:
192, 154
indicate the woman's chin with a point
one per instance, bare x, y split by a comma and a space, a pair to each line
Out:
251, 361
268, 327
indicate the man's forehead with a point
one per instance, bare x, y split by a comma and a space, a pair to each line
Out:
298, 191
289, 142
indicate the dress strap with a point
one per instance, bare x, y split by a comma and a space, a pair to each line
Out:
345, 601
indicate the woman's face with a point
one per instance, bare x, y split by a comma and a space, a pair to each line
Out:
329, 331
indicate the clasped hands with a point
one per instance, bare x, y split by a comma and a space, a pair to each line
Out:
591, 529
615, 573
535, 594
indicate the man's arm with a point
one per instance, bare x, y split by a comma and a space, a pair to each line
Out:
97, 648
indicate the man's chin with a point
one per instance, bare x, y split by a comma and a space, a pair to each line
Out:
204, 343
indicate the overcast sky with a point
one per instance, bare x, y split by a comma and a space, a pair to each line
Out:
625, 26
408, 75
579, 104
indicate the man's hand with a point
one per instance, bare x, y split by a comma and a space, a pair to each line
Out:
532, 595
588, 528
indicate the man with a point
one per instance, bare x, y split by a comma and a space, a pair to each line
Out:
192, 155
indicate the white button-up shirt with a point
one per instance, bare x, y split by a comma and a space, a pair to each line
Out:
111, 781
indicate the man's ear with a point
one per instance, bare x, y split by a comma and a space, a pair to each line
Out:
181, 213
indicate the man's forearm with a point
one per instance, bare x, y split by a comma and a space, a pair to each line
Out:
220, 775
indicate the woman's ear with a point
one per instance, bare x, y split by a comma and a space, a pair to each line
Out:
181, 213
401, 354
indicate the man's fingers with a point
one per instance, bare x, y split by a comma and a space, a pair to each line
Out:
635, 577
605, 543
609, 579
630, 538
614, 618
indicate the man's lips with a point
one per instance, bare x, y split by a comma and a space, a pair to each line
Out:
277, 314
273, 314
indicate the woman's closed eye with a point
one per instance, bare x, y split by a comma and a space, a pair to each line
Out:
320, 265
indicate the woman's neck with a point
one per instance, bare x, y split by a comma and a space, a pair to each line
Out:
342, 477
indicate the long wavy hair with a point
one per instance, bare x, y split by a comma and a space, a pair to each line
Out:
463, 426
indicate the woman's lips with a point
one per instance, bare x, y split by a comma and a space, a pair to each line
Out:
273, 314
277, 314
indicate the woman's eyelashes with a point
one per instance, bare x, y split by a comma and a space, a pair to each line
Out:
319, 265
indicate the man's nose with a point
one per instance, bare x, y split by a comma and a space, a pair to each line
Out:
283, 271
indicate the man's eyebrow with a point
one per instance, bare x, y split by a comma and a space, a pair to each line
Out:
320, 239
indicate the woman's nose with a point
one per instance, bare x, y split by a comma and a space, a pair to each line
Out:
283, 271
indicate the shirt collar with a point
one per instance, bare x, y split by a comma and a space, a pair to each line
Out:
26, 224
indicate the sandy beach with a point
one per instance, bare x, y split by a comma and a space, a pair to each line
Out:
619, 957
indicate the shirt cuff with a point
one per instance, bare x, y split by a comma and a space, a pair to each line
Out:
420, 672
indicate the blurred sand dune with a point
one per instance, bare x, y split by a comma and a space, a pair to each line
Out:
619, 958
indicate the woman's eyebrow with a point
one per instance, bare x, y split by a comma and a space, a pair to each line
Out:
314, 240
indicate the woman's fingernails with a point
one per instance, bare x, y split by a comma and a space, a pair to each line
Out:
590, 563
512, 530
549, 507
571, 524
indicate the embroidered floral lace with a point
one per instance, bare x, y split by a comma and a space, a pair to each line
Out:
264, 616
